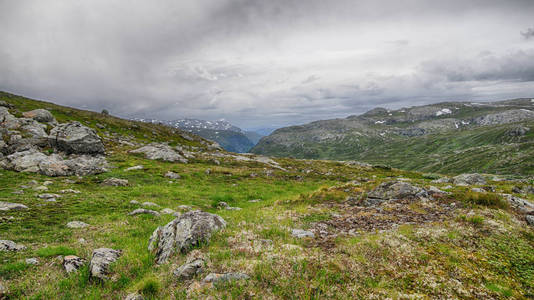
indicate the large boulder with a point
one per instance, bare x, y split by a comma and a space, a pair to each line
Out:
469, 179
102, 258
183, 233
41, 115
75, 138
395, 190
160, 152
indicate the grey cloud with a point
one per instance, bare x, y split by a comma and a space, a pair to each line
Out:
528, 34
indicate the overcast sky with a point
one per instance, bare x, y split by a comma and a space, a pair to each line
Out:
265, 63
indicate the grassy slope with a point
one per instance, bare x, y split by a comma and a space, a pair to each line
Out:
466, 257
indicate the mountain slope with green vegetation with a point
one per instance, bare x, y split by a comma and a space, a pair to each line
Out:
295, 229
451, 137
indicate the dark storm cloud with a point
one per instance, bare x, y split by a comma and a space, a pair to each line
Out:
261, 63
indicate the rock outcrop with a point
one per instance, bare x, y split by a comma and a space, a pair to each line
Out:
183, 233
41, 115
72, 263
189, 269
100, 262
392, 190
158, 151
75, 138
469, 179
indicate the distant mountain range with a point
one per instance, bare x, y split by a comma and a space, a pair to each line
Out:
448, 137
230, 137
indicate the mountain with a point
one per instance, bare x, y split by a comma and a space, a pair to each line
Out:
97, 207
448, 137
230, 137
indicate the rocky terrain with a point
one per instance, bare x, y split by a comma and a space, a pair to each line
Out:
97, 207
230, 137
449, 137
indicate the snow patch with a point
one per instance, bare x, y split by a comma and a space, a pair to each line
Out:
444, 111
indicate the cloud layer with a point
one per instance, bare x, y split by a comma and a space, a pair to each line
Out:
264, 63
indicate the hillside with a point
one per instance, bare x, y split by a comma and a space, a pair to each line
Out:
230, 137
449, 137
97, 207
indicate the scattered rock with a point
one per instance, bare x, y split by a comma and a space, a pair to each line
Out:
172, 175
478, 190
299, 233
101, 260
40, 188
75, 138
4, 206
32, 261
185, 207
189, 269
40, 115
141, 211
225, 277
519, 203
163, 152
72, 263
184, 232
254, 200
207, 172
150, 204
134, 296
7, 245
71, 191
222, 205
469, 179
115, 182
138, 167
390, 191
77, 224
233, 208
530, 220
167, 211
135, 202
48, 196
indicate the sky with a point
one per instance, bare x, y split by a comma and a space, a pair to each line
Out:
262, 64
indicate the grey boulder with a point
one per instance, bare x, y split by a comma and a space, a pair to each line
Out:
181, 234
5, 206
102, 258
76, 138
77, 224
72, 263
394, 190
41, 115
225, 277
469, 179
7, 245
115, 182
141, 211
156, 151
189, 269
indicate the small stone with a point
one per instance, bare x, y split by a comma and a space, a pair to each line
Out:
150, 204
225, 277
40, 188
18, 192
207, 172
134, 296
141, 211
100, 262
190, 269
185, 207
167, 211
77, 224
135, 202
47, 183
478, 190
7, 245
70, 191
5, 206
71, 263
299, 233
115, 182
134, 168
48, 196
32, 261
172, 175
530, 220
233, 208
222, 204
254, 200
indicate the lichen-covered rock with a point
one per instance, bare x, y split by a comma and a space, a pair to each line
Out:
530, 220
7, 245
225, 277
141, 211
172, 175
77, 224
4, 206
469, 179
41, 115
102, 258
163, 152
75, 138
72, 263
134, 296
394, 190
115, 182
184, 232
299, 233
189, 269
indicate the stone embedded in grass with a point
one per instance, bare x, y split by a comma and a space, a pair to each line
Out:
156, 151
18, 192
300, 233
40, 188
469, 179
181, 234
134, 296
135, 202
185, 207
7, 245
4, 206
172, 175
233, 208
115, 182
478, 190
392, 190
77, 224
102, 258
72, 263
520, 204
32, 261
48, 196
167, 211
222, 204
254, 200
69, 191
150, 204
530, 220
189, 269
134, 168
225, 277
141, 211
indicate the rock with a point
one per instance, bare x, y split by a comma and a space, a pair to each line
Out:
5, 206
189, 269
139, 167
432, 190
184, 232
5, 104
478, 190
207, 172
71, 263
442, 180
225, 277
48, 196
233, 208
172, 175
134, 202
18, 192
75, 138
7, 245
299, 233
254, 200
40, 188
393, 190
100, 262
141, 211
530, 220
41, 115
150, 204
115, 182
3, 289
185, 207
222, 204
469, 179
163, 152
77, 224
71, 191
134, 296
519, 203
32, 261
167, 211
